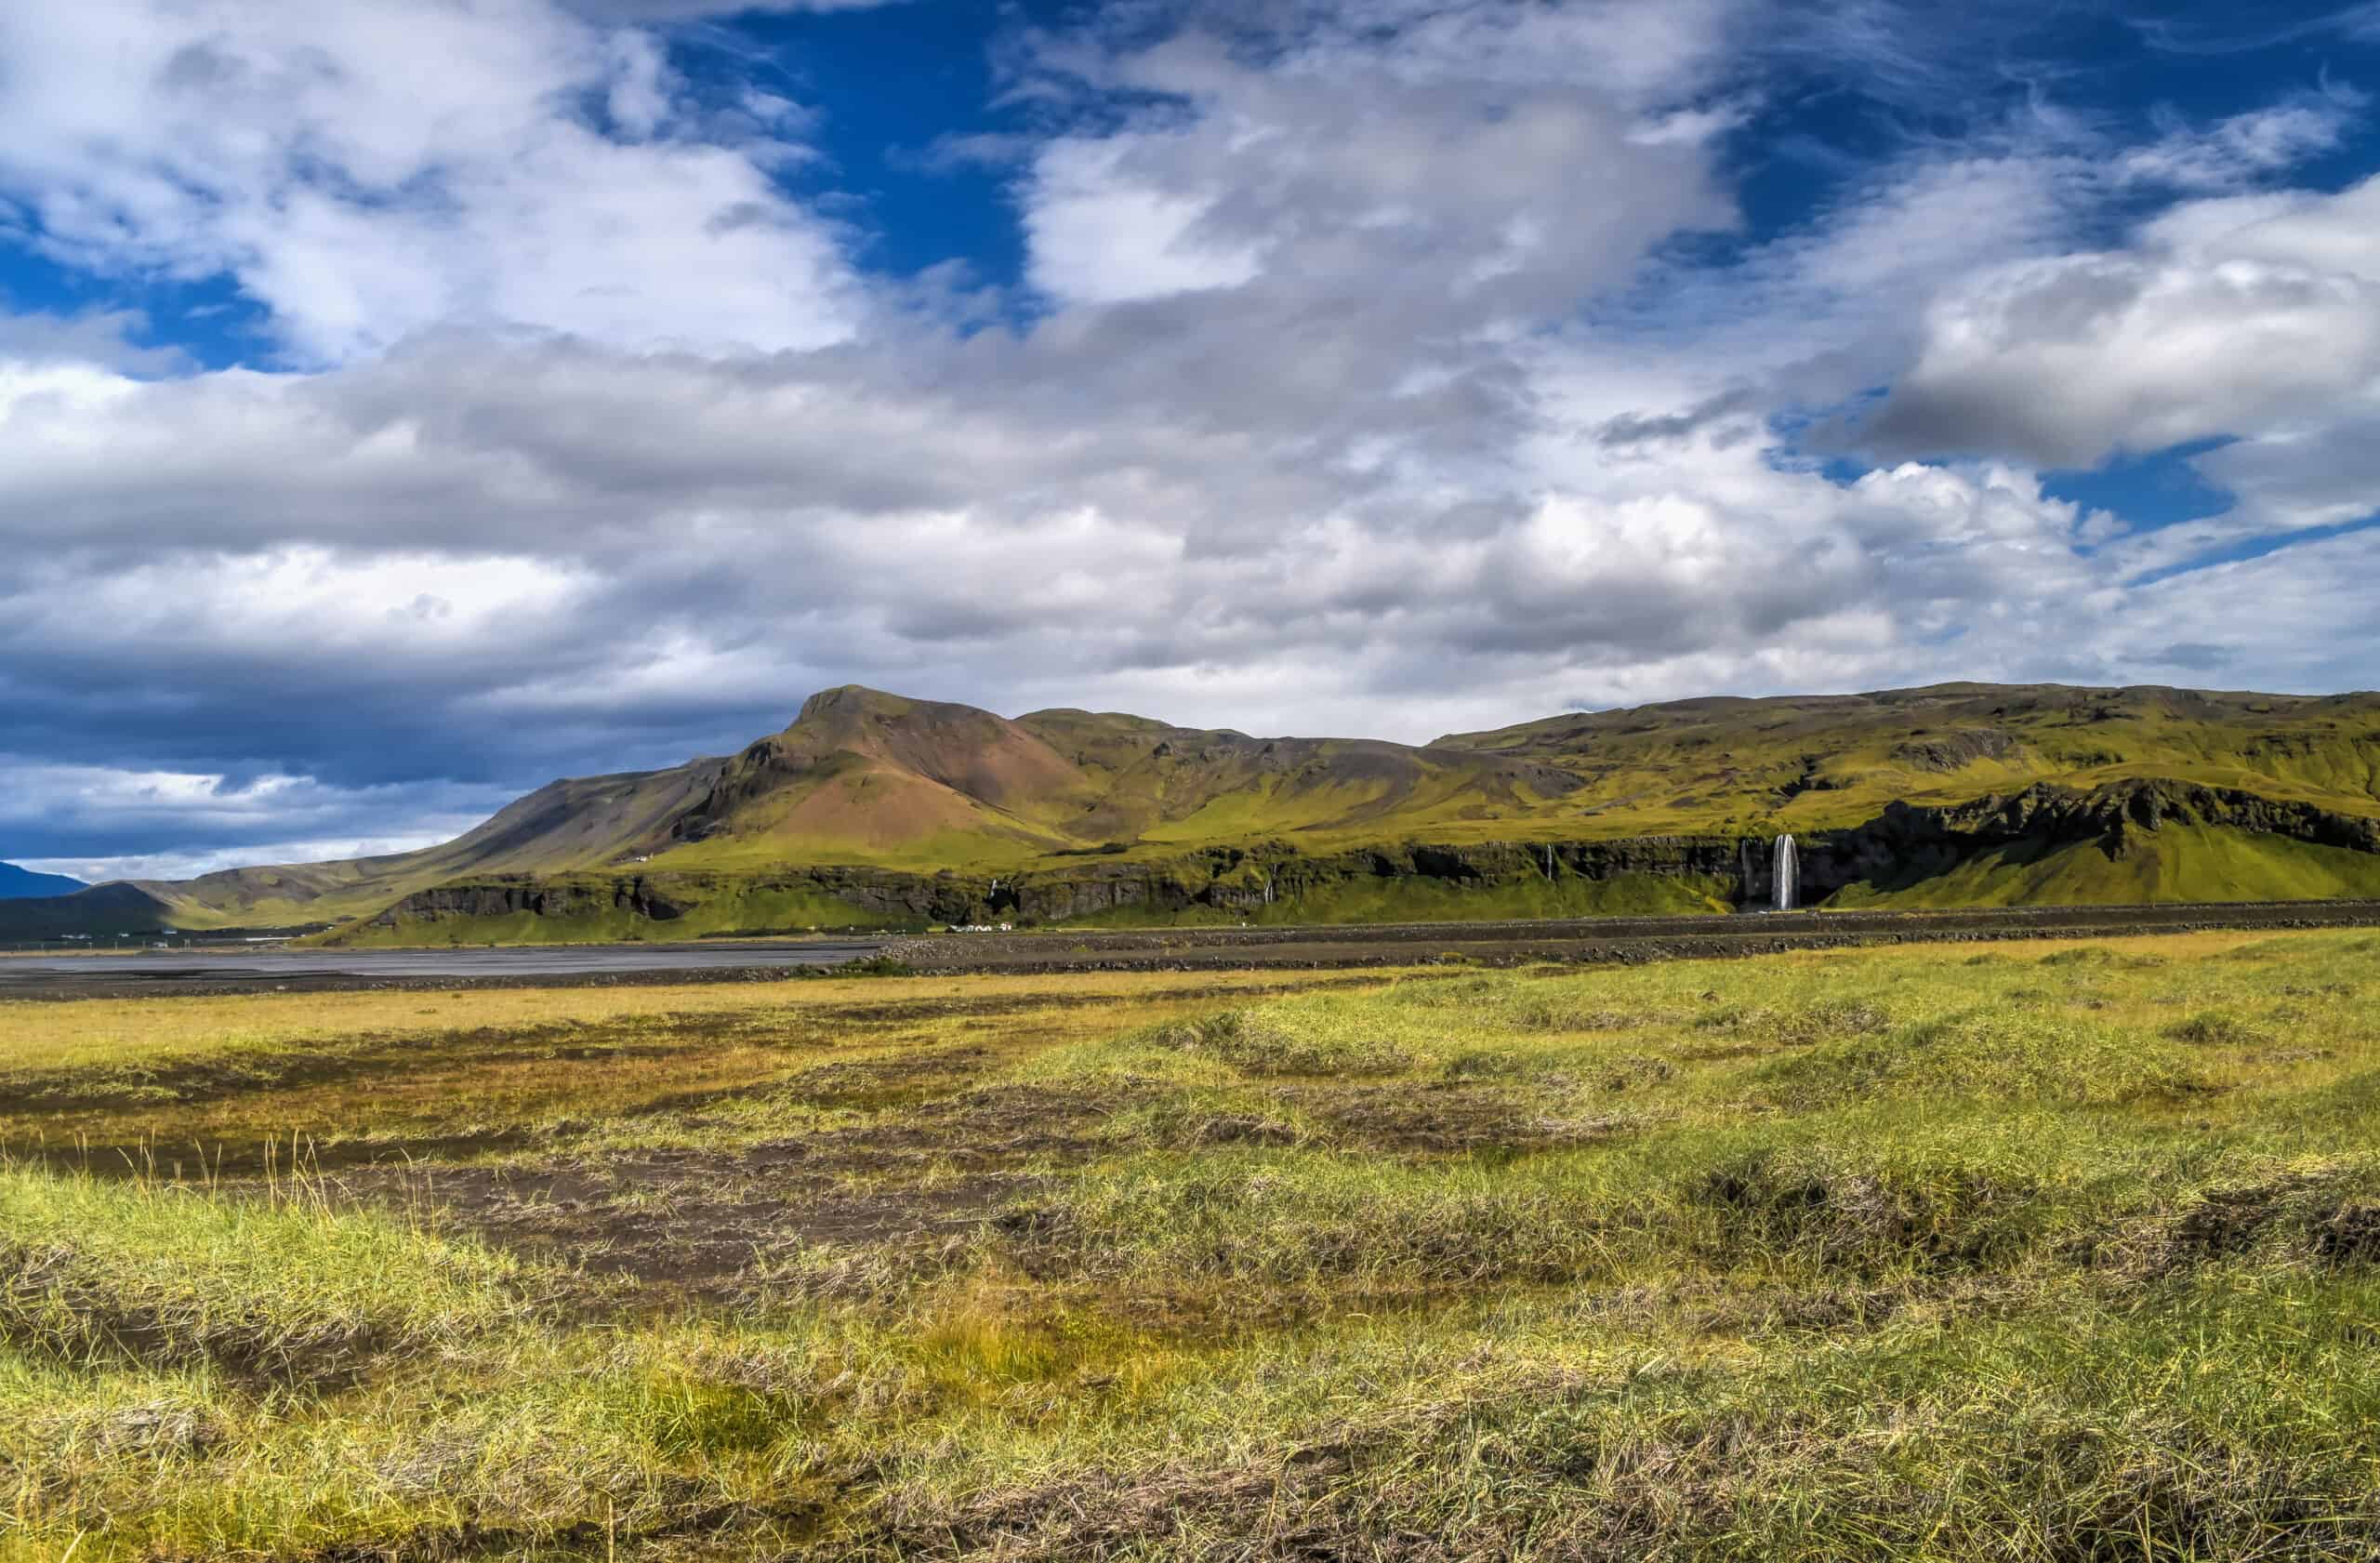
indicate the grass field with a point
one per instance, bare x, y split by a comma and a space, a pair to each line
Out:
2045, 1251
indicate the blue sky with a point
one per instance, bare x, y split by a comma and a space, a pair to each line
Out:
403, 403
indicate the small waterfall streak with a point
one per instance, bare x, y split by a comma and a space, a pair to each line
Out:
1789, 873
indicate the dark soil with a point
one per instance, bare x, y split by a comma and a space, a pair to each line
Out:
699, 1223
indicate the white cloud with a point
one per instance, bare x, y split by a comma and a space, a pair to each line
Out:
1454, 171
2251, 317
2245, 148
688, 10
214, 820
368, 170
2326, 235
1101, 235
2068, 359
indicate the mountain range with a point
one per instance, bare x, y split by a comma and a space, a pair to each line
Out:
873, 809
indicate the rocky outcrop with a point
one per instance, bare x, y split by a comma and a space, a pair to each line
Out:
1243, 879
1955, 750
1229, 879
877, 893
511, 894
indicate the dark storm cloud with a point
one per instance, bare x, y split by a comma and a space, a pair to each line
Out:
1633, 430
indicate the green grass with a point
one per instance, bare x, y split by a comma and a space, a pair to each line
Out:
2177, 863
1681, 767
283, 1288
2041, 1252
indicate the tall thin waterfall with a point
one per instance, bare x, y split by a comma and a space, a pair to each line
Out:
1789, 873
1751, 871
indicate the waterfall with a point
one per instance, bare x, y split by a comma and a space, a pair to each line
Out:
1789, 873
1750, 870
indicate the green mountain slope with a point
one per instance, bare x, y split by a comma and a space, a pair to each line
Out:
102, 910
867, 778
2177, 863
1828, 761
566, 825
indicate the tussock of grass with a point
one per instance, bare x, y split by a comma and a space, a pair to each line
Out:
1798, 1025
1258, 1042
2323, 1212
1288, 1225
165, 1276
1869, 1213
1193, 1121
2213, 1028
2102, 957
1985, 1057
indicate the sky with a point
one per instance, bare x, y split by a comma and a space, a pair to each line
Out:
405, 402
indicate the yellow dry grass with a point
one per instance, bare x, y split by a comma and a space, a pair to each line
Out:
44, 1036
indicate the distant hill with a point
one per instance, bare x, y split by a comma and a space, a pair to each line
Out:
564, 826
863, 777
1817, 761
872, 807
17, 884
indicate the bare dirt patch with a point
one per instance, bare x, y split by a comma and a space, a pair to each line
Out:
2332, 1215
691, 1225
702, 1222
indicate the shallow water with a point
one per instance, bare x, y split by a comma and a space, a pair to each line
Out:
247, 966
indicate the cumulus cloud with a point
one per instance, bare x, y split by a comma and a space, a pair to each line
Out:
365, 171
692, 573
1445, 169
2250, 319
102, 337
2067, 360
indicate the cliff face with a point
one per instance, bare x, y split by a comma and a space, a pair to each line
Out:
1227, 880
1246, 880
